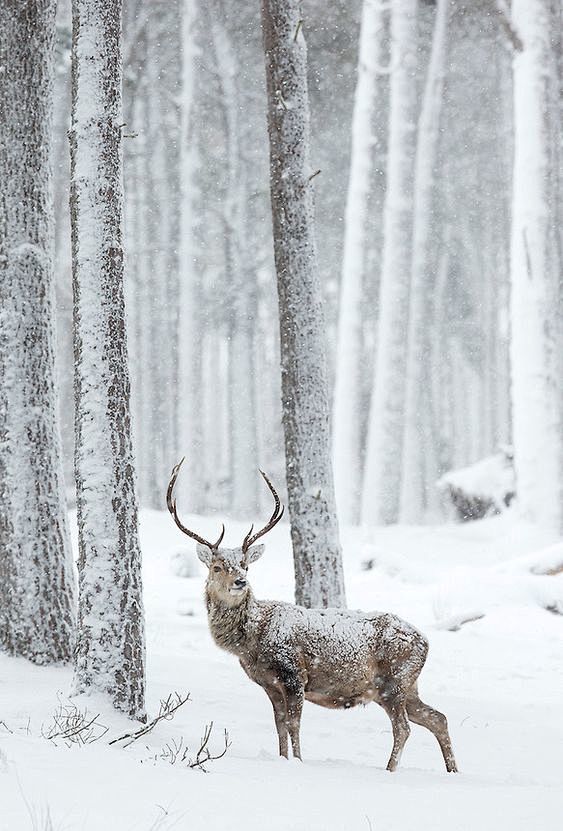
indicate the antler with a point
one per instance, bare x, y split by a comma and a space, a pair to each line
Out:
172, 508
274, 519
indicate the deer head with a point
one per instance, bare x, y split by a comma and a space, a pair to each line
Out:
228, 567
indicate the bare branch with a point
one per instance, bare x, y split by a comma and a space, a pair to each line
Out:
166, 711
204, 755
71, 725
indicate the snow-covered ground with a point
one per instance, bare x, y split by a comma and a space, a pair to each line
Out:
499, 679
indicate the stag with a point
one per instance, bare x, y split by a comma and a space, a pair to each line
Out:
331, 657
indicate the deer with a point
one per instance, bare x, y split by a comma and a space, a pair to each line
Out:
334, 658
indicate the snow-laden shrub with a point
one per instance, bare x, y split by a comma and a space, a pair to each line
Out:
184, 563
481, 489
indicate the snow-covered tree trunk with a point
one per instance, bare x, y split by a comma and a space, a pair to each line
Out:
417, 441
157, 142
348, 391
535, 268
382, 478
110, 652
240, 267
314, 527
190, 414
36, 580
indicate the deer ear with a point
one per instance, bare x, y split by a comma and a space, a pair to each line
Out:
204, 554
254, 554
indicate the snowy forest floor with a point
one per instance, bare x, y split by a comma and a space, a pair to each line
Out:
499, 679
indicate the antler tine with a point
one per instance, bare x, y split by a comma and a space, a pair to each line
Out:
274, 519
221, 535
246, 539
171, 503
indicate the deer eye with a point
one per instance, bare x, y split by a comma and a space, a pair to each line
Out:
217, 568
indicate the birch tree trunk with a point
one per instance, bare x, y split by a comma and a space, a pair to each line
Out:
348, 392
36, 580
240, 268
382, 479
415, 482
110, 653
190, 427
314, 527
535, 268
155, 66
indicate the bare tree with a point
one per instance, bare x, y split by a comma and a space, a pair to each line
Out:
110, 651
314, 527
381, 489
191, 427
152, 112
240, 258
349, 387
418, 441
36, 581
535, 265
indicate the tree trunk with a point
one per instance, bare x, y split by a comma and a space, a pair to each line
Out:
314, 527
417, 441
36, 581
190, 427
240, 268
535, 297
380, 499
348, 392
110, 653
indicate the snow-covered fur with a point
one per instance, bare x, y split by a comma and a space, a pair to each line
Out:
331, 657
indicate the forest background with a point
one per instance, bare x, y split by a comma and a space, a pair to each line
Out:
202, 323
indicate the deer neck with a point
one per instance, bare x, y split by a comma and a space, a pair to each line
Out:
228, 623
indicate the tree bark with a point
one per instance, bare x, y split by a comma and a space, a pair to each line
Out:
110, 652
36, 580
190, 427
418, 441
314, 527
240, 266
348, 392
380, 499
535, 268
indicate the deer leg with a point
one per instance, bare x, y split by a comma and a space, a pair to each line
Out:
395, 709
294, 701
436, 722
291, 682
280, 717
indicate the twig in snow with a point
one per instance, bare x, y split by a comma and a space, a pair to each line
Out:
548, 570
73, 726
167, 709
454, 624
3, 724
297, 30
312, 176
166, 820
203, 755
